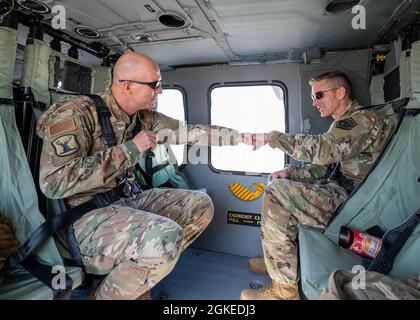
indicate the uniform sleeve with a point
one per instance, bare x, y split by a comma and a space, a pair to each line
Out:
346, 138
66, 167
309, 173
171, 131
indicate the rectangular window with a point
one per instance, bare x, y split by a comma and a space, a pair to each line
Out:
171, 104
256, 108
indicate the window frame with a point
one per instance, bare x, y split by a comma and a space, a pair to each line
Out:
215, 85
185, 101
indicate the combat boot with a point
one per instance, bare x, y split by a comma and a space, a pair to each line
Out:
145, 296
272, 291
257, 265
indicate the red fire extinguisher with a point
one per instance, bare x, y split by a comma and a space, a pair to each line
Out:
359, 242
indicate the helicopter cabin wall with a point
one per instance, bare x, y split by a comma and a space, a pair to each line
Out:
245, 240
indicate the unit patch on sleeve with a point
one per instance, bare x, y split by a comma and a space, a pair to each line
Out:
61, 127
346, 124
66, 145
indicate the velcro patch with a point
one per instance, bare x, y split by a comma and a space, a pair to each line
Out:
62, 127
66, 145
346, 124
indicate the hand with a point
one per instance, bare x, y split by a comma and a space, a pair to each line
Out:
281, 174
8, 242
259, 140
145, 140
244, 137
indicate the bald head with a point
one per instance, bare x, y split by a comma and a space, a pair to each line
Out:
133, 65
135, 93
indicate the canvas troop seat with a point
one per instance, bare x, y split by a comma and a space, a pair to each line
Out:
387, 198
18, 195
53, 76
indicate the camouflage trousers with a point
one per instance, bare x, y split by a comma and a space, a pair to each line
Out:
285, 204
137, 243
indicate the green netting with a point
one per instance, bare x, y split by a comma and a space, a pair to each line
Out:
68, 74
8, 45
101, 79
377, 90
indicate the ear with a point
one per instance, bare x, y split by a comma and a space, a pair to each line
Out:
341, 93
127, 85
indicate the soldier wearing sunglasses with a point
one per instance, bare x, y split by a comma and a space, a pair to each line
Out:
135, 242
310, 194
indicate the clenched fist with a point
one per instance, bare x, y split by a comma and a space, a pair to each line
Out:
145, 140
281, 174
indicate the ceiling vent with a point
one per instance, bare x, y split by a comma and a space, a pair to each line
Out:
87, 32
337, 6
34, 6
172, 20
143, 38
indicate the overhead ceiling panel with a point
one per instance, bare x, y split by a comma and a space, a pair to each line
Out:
226, 30
280, 25
175, 53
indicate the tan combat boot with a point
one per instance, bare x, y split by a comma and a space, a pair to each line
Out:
257, 265
272, 291
145, 296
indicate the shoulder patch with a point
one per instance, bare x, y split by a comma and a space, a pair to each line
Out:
346, 124
62, 127
66, 145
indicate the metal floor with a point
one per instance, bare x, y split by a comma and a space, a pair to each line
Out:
207, 275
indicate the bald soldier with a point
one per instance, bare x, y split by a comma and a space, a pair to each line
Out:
310, 194
135, 241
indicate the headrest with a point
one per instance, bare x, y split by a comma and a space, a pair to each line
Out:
8, 46
415, 75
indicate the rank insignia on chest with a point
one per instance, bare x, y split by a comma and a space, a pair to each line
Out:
66, 145
346, 124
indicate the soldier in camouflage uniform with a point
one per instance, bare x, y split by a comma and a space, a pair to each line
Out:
303, 194
134, 242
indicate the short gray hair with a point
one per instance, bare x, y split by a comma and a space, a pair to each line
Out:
339, 78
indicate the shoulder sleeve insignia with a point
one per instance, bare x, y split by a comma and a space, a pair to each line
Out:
61, 127
66, 145
346, 124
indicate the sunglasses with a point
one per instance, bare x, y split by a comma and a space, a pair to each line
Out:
153, 85
320, 94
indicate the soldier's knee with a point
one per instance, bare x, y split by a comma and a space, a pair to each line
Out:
162, 241
208, 204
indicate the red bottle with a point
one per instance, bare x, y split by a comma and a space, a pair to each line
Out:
359, 242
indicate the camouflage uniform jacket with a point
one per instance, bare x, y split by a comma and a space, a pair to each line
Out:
75, 163
355, 140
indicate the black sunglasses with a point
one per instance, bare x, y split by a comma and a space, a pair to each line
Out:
153, 85
320, 94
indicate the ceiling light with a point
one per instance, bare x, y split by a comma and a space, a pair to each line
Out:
34, 6
172, 20
143, 38
336, 6
87, 32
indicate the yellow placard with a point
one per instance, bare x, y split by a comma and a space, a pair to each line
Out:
243, 193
